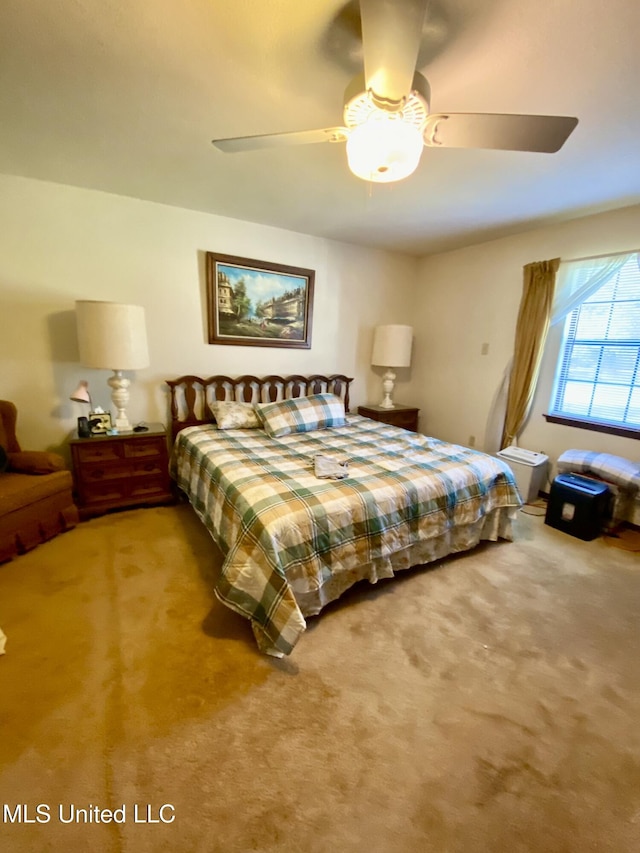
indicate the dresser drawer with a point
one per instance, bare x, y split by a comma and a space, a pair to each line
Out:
146, 487
99, 473
124, 490
406, 420
106, 492
144, 447
147, 466
122, 471
405, 417
107, 451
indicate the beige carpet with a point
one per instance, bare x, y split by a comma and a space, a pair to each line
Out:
627, 538
489, 704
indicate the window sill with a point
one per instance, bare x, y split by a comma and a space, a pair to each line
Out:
611, 429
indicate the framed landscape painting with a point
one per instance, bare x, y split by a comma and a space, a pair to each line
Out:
257, 303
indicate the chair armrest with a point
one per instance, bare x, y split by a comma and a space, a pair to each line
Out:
35, 462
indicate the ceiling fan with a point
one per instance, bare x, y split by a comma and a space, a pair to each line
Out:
386, 109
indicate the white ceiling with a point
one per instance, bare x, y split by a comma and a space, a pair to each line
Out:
125, 96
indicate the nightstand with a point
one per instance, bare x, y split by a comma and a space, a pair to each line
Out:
400, 416
119, 471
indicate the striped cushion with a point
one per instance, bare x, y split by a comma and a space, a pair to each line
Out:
614, 469
319, 411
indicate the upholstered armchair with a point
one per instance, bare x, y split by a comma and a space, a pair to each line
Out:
36, 499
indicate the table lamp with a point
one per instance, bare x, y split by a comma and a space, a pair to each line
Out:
391, 348
113, 336
81, 394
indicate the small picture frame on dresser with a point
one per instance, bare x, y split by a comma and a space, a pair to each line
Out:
99, 423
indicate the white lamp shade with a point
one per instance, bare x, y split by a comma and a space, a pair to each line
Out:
111, 335
392, 346
384, 149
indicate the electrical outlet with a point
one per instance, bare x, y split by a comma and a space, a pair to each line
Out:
484, 349
472, 441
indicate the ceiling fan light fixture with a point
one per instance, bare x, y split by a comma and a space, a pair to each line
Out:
384, 148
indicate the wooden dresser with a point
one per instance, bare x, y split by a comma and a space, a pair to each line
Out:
119, 471
400, 416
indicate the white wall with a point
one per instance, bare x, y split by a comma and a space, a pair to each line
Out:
471, 297
60, 243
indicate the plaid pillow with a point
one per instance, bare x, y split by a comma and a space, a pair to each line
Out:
232, 415
319, 411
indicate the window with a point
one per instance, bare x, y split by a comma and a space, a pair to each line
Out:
597, 381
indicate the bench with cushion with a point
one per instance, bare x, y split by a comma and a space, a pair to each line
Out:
622, 476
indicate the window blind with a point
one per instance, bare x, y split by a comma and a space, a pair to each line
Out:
598, 373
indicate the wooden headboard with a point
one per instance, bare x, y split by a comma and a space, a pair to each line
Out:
192, 396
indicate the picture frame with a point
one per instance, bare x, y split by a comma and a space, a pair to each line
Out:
99, 423
258, 303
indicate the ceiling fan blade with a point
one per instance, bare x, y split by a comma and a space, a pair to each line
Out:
391, 33
545, 134
279, 140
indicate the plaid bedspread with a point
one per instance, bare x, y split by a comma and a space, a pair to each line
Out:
281, 529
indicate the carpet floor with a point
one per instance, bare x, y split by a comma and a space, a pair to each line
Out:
488, 703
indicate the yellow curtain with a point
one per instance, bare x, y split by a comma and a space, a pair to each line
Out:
531, 334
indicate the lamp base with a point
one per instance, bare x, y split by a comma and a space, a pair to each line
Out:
388, 381
120, 398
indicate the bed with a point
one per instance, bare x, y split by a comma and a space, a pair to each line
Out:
292, 539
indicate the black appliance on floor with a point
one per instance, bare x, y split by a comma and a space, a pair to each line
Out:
578, 505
